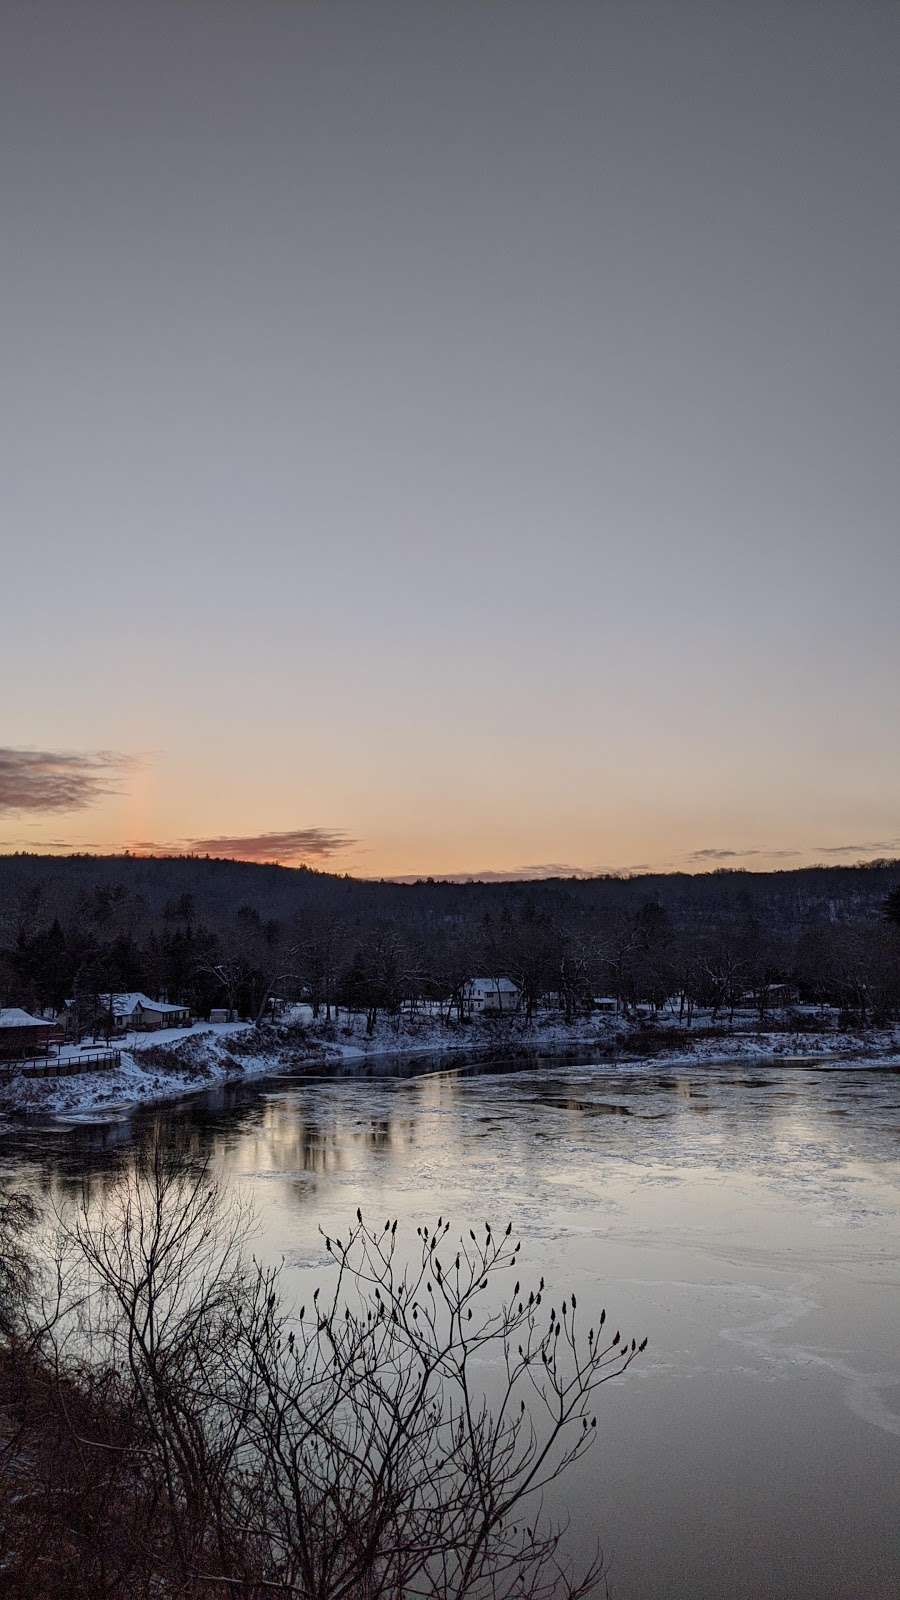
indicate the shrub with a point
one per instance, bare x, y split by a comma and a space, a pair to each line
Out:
185, 1431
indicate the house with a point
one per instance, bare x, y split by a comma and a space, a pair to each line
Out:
489, 994
135, 1012
770, 994
23, 1035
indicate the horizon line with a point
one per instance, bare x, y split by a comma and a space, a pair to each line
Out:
486, 878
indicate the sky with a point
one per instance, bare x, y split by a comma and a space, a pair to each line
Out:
451, 438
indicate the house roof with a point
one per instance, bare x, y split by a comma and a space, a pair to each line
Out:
15, 1017
125, 1005
492, 985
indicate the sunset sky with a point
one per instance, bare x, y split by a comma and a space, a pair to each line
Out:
451, 437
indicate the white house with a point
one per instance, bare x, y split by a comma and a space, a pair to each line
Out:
490, 994
134, 1011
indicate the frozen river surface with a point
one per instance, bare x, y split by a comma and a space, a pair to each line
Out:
746, 1218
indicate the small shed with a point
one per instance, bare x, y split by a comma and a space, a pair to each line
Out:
22, 1035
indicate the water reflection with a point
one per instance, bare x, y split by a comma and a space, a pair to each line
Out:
747, 1219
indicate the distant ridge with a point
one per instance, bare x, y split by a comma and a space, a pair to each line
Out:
786, 898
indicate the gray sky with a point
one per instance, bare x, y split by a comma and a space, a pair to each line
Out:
452, 436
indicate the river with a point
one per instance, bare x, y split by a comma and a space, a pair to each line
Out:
746, 1218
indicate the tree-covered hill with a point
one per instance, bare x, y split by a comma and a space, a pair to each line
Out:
153, 888
208, 932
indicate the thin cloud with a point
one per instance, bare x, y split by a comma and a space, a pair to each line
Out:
38, 846
862, 849
550, 869
293, 844
741, 855
57, 780
721, 855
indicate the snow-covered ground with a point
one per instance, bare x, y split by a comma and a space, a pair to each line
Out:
143, 1040
177, 1061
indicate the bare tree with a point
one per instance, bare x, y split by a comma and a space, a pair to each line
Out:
17, 1217
323, 942
356, 1447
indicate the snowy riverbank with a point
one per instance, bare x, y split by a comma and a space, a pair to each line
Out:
167, 1065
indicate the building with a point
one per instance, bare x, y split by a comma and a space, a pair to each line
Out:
489, 994
770, 995
135, 1012
22, 1035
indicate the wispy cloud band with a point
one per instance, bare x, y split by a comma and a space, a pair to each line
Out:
57, 780
289, 844
741, 855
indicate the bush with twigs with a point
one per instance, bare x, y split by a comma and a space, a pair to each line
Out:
392, 1438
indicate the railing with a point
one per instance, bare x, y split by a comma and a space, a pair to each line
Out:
52, 1067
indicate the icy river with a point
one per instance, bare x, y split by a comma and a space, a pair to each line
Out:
745, 1217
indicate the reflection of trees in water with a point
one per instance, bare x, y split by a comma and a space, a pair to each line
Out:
210, 1125
299, 1137
237, 1134
332, 1123
67, 1162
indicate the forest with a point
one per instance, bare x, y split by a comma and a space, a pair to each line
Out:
209, 933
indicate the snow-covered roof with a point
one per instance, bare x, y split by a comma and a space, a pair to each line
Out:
15, 1017
492, 986
125, 1005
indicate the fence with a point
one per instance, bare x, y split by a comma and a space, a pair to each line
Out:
52, 1067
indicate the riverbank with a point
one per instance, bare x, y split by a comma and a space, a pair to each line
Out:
166, 1066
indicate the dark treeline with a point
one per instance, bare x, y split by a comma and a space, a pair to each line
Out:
225, 933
